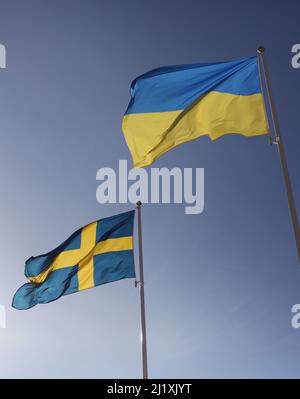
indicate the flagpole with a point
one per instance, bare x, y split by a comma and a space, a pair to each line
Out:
142, 295
281, 151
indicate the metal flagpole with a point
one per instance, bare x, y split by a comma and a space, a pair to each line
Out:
281, 151
142, 294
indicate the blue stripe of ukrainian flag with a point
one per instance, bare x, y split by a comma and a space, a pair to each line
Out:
98, 253
172, 105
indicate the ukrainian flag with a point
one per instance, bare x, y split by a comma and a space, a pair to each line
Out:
175, 104
98, 253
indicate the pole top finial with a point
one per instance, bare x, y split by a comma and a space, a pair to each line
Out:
138, 204
261, 49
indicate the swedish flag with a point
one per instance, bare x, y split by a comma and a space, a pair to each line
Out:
98, 253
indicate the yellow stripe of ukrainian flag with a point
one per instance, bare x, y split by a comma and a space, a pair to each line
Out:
150, 135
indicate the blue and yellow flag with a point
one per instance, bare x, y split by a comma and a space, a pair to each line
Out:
98, 253
172, 105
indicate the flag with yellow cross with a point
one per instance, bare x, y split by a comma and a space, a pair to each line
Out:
98, 253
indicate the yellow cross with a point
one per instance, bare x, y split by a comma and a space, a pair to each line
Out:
84, 256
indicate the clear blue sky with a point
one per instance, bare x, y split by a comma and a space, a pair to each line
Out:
220, 285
